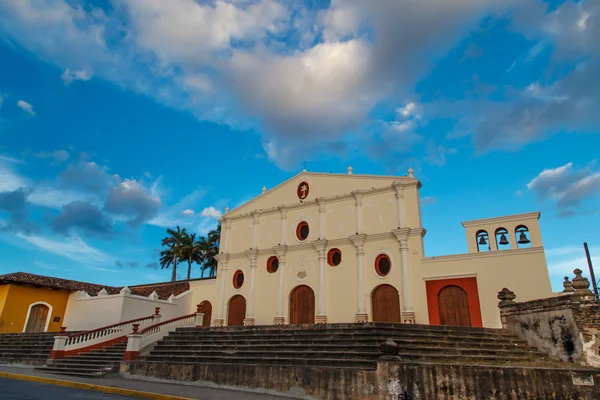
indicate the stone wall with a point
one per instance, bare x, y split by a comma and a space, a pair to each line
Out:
566, 327
393, 380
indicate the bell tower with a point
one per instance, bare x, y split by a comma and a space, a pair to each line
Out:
511, 232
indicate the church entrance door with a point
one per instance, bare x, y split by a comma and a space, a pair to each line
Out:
302, 305
454, 306
385, 304
237, 311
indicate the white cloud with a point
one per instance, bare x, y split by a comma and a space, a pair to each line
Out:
73, 248
69, 75
211, 212
563, 260
1, 100
171, 216
25, 106
566, 186
188, 213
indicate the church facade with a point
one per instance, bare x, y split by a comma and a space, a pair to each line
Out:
342, 248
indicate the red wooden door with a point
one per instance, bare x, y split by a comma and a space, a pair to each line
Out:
453, 303
207, 310
237, 311
302, 305
385, 304
37, 319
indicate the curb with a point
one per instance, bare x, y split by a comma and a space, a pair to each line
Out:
95, 388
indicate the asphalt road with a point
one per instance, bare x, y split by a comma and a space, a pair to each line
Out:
11, 389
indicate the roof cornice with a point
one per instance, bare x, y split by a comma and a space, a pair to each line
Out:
508, 218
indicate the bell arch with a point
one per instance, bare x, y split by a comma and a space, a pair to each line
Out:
482, 241
502, 241
523, 236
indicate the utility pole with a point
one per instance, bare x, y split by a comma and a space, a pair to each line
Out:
589, 261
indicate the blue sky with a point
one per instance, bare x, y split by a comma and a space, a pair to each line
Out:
121, 118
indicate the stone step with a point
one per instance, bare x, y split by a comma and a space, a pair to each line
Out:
360, 334
84, 364
97, 356
278, 361
313, 349
71, 372
319, 343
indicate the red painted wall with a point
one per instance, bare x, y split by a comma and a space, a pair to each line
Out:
469, 285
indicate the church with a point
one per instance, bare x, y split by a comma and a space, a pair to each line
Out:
342, 248
318, 248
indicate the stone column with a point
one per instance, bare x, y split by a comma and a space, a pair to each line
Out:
361, 313
400, 197
280, 317
255, 234
283, 212
219, 321
321, 218
358, 201
408, 314
249, 320
321, 317
225, 246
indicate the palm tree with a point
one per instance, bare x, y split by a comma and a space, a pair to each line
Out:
172, 254
191, 251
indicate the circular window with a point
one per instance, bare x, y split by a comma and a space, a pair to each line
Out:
382, 265
238, 279
272, 264
334, 257
302, 230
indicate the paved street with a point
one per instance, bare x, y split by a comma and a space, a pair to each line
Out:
24, 390
11, 389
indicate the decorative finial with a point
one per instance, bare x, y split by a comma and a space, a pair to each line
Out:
304, 170
226, 209
411, 172
568, 286
580, 284
264, 189
506, 297
349, 169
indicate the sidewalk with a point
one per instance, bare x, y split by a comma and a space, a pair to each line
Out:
167, 388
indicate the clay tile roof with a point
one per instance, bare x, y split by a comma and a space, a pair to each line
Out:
164, 290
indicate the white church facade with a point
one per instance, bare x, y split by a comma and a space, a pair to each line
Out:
342, 248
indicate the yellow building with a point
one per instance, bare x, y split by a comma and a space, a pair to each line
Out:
35, 303
341, 248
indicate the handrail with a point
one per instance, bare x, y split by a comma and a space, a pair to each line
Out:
91, 335
145, 338
131, 321
153, 327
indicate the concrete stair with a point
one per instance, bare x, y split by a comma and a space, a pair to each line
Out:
26, 348
353, 346
94, 364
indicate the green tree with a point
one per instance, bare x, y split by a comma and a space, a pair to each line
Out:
192, 251
172, 254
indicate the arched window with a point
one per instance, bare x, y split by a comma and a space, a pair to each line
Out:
482, 241
238, 279
523, 238
272, 264
334, 257
502, 242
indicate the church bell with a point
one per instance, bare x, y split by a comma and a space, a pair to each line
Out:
482, 240
523, 239
503, 241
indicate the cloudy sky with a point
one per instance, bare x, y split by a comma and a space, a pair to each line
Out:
121, 118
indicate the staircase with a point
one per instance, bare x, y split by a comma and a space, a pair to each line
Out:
95, 363
26, 348
354, 346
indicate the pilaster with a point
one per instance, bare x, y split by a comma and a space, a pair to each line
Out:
321, 318
359, 242
222, 277
252, 255
281, 252
358, 201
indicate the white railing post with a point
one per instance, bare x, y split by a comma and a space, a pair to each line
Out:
133, 347
199, 320
58, 351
